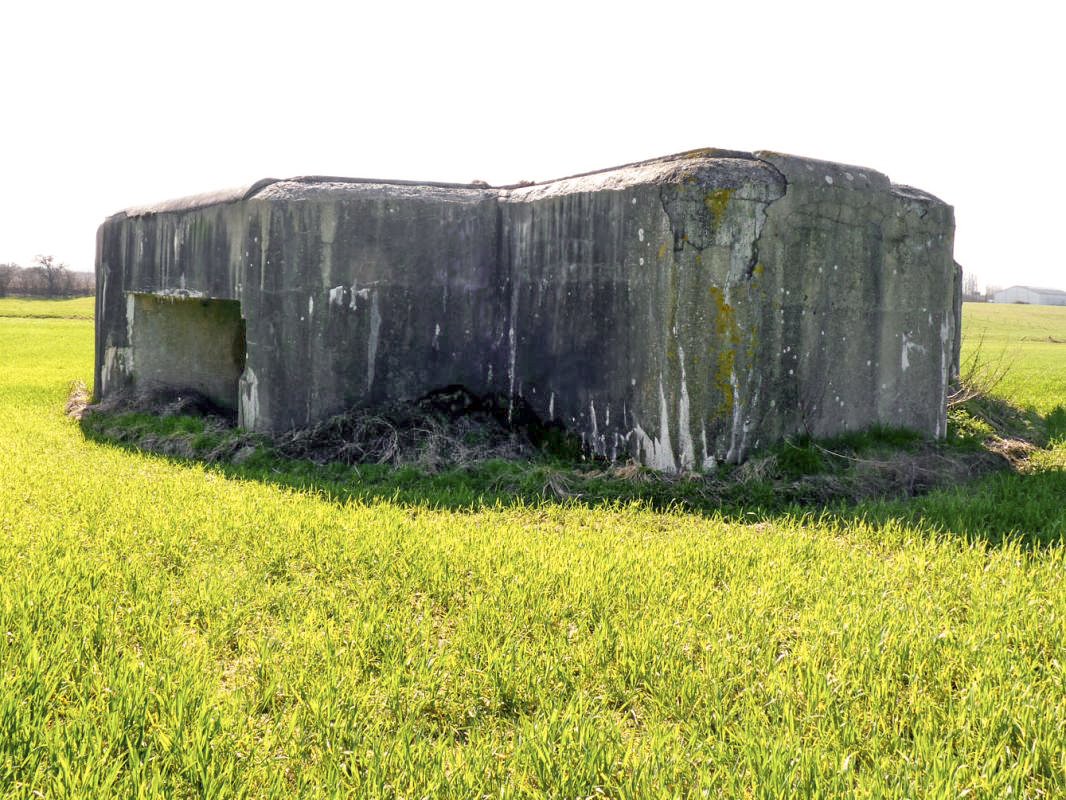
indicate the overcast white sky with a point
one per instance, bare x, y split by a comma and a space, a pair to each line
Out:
111, 104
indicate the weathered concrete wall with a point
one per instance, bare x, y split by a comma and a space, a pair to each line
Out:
628, 305
684, 310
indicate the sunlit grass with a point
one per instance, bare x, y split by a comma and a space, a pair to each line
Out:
168, 631
1030, 341
67, 307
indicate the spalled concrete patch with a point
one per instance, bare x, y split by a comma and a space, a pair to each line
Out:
682, 311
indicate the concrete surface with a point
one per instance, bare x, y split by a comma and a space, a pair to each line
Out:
188, 344
683, 310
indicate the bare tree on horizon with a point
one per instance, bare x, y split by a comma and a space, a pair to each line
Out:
54, 274
7, 275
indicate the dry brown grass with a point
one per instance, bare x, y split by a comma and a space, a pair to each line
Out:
406, 434
77, 399
431, 435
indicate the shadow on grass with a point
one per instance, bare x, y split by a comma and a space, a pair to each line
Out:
962, 487
1056, 425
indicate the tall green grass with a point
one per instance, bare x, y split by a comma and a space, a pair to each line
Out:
172, 630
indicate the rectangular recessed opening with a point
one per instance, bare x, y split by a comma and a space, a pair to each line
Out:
186, 344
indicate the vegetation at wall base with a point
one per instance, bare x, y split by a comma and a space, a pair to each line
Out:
178, 628
453, 450
504, 466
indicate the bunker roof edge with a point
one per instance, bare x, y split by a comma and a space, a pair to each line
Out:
774, 159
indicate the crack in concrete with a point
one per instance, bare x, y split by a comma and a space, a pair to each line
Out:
754, 261
679, 233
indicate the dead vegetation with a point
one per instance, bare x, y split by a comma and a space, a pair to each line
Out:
979, 376
428, 434
840, 477
77, 400
446, 429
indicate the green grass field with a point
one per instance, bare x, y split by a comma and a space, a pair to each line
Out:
39, 307
169, 629
1029, 341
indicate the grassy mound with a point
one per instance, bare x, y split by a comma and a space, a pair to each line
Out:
465, 446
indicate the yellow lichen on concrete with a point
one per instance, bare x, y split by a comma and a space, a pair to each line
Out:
728, 339
716, 203
725, 322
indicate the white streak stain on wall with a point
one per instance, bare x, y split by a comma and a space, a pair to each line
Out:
659, 453
595, 434
512, 346
709, 461
130, 306
248, 411
684, 432
328, 231
264, 244
118, 363
945, 369
908, 347
372, 340
733, 453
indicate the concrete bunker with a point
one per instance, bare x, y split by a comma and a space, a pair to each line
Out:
183, 343
682, 310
